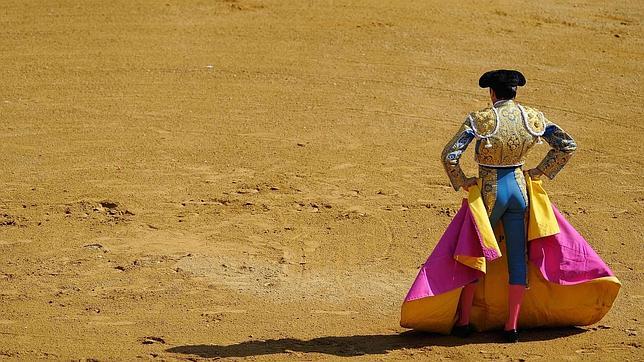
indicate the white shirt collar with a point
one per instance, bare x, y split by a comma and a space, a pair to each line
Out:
502, 102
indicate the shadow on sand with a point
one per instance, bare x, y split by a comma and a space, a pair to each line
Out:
359, 345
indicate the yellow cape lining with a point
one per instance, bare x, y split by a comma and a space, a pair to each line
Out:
545, 303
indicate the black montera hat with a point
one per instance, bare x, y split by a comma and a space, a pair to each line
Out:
502, 77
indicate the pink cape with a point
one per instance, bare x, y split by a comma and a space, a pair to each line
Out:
564, 272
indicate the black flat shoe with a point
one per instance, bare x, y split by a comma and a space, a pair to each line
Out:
511, 336
463, 331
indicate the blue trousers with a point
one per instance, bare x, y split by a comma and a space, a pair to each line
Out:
510, 207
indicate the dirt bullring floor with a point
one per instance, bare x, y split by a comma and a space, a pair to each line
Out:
261, 179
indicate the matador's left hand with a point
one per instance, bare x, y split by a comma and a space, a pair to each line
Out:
535, 173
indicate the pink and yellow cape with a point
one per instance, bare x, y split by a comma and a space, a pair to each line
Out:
568, 283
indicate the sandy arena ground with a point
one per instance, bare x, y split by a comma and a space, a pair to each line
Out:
261, 180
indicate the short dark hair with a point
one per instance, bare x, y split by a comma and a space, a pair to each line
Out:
505, 92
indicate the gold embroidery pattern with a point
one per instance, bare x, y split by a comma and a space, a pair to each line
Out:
536, 119
484, 121
509, 145
452, 153
563, 147
512, 141
519, 177
488, 187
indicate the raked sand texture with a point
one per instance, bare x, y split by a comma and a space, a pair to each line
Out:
261, 179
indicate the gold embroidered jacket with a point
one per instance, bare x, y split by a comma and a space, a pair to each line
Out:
505, 133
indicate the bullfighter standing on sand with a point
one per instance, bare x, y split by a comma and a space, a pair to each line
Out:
504, 134
464, 285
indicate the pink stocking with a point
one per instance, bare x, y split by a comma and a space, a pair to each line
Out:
515, 297
465, 304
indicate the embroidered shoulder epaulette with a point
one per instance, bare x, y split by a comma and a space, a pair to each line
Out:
483, 122
536, 121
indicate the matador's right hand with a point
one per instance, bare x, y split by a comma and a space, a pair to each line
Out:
469, 182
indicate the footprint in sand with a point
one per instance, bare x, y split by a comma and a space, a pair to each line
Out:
12, 220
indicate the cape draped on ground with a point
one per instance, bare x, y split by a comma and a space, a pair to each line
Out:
569, 284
